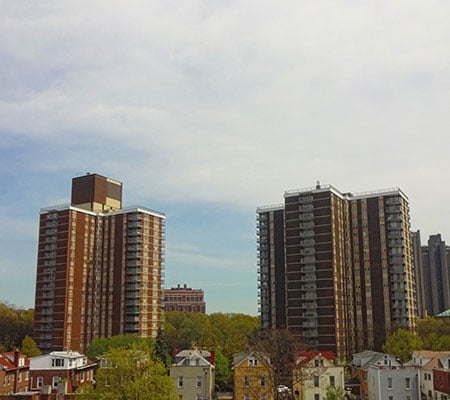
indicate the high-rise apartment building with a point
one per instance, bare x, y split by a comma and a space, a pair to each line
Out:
337, 268
184, 299
99, 268
436, 272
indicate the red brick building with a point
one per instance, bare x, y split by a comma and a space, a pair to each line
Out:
99, 268
185, 299
60, 372
14, 372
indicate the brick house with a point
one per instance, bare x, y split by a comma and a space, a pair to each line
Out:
60, 372
14, 372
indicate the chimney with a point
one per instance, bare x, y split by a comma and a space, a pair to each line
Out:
317, 184
16, 358
212, 359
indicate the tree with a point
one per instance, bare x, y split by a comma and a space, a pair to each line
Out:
402, 343
15, 324
222, 369
29, 347
279, 349
161, 349
133, 374
102, 345
335, 393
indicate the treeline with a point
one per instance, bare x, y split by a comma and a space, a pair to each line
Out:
15, 325
431, 334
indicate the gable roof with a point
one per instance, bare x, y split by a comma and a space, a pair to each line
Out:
193, 357
239, 358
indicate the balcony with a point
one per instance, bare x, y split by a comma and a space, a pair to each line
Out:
306, 207
313, 333
308, 259
305, 199
306, 217
306, 234
306, 225
393, 200
134, 232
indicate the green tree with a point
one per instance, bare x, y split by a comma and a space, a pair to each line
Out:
102, 345
222, 369
335, 393
133, 374
402, 343
161, 349
15, 324
29, 347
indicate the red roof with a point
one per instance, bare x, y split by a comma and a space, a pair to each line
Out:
307, 356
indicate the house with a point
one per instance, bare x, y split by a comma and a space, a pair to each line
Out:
194, 374
14, 372
434, 370
359, 368
253, 378
389, 382
60, 372
314, 372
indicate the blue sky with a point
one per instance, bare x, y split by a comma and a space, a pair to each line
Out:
206, 110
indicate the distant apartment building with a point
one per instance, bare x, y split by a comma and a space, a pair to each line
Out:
184, 299
99, 268
436, 273
337, 268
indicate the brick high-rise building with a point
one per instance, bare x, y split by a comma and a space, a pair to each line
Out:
337, 268
99, 268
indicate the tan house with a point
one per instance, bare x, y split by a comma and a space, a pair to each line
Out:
252, 376
316, 371
194, 374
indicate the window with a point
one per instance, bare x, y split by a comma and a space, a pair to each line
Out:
252, 362
316, 381
57, 362
317, 396
39, 381
246, 381
407, 383
199, 381
391, 398
332, 380
263, 381
180, 381
55, 381
389, 385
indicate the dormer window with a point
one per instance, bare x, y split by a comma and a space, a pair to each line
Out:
252, 362
57, 362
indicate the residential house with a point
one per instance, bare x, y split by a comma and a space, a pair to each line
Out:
194, 374
253, 378
389, 382
60, 372
315, 371
359, 368
14, 372
434, 369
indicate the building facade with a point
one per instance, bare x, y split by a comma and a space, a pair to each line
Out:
184, 299
314, 373
194, 374
253, 376
436, 272
14, 373
60, 372
99, 268
345, 278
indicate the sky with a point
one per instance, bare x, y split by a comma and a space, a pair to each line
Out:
207, 109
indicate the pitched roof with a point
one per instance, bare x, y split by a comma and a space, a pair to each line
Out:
239, 358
